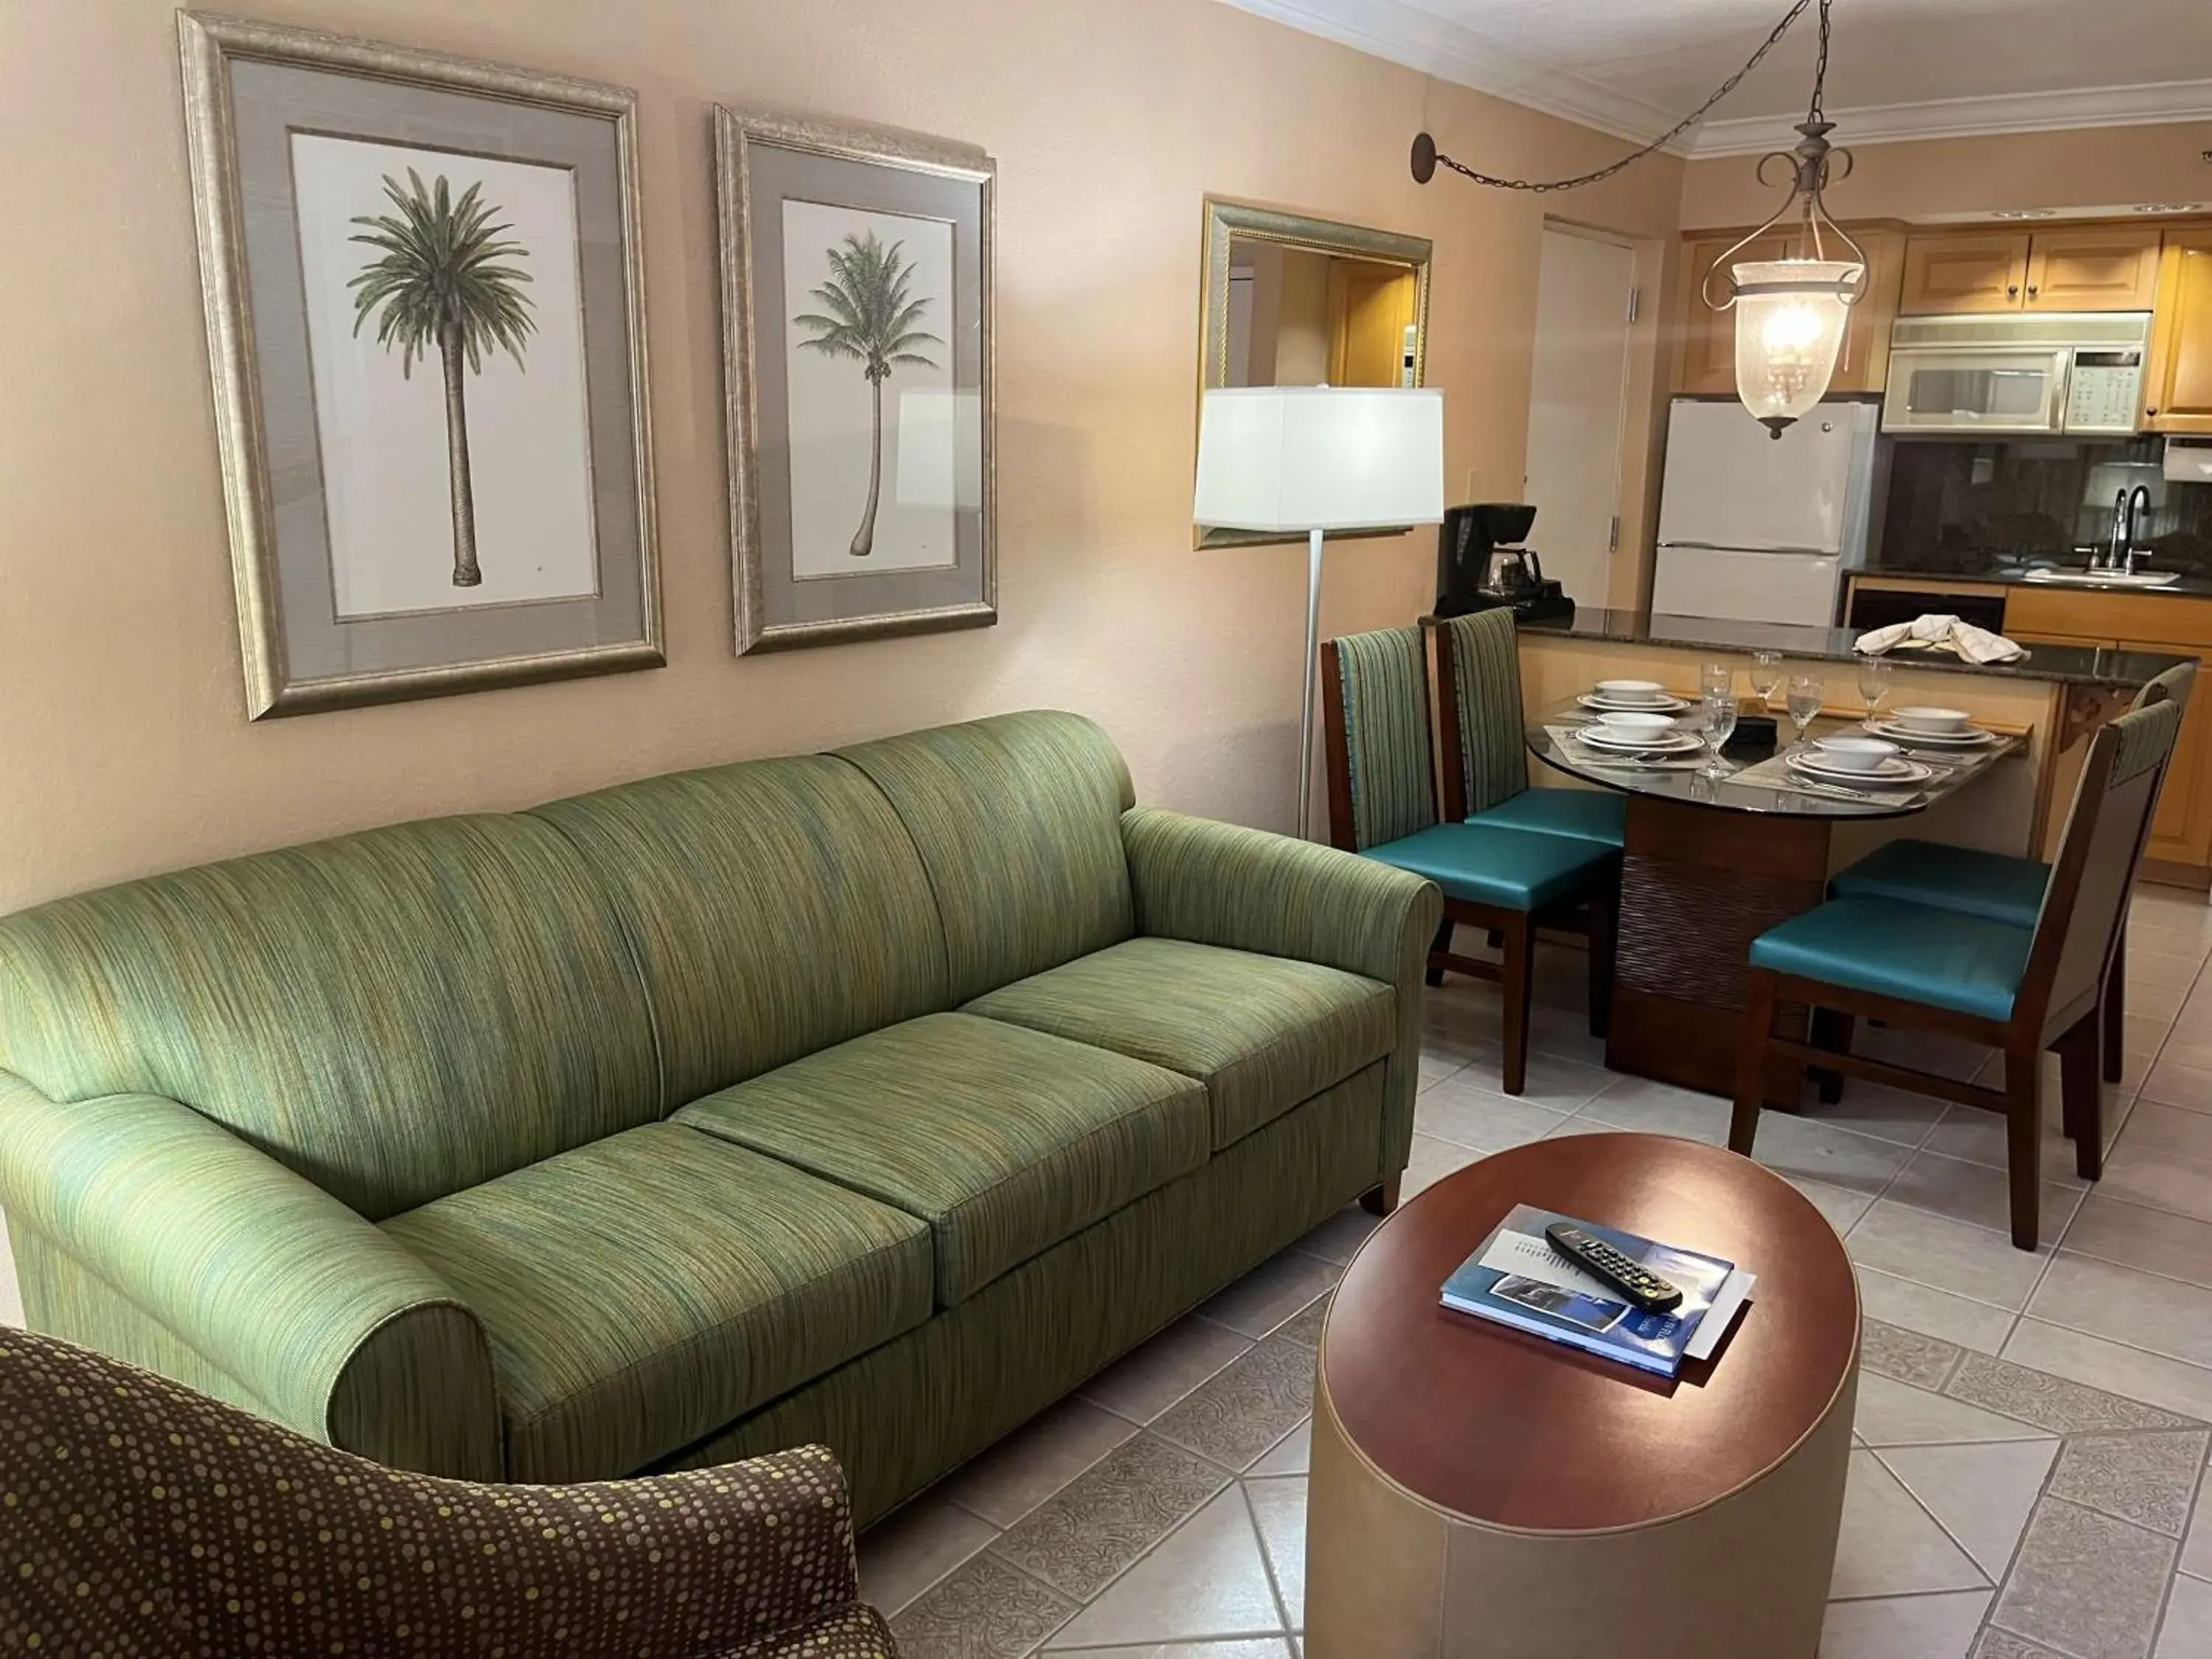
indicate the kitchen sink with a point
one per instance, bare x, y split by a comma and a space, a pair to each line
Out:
2105, 578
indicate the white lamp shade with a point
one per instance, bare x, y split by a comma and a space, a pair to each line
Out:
1296, 458
1790, 317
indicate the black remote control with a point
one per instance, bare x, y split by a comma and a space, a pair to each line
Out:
1618, 1269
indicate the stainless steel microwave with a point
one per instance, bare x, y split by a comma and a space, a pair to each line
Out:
2079, 372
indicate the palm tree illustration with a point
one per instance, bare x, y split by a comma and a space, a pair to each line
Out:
870, 319
440, 284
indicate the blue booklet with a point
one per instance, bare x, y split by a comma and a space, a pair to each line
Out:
1517, 1278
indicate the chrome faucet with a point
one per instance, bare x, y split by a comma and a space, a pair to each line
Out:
2139, 497
2116, 544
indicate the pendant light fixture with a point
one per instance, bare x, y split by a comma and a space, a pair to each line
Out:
1790, 311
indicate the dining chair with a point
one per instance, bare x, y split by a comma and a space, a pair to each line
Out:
1486, 759
2018, 989
2003, 888
1382, 806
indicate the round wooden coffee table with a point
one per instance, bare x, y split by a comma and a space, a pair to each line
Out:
1476, 1490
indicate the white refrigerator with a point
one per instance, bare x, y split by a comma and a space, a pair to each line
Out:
1759, 529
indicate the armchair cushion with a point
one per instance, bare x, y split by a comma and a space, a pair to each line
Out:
1597, 814
754, 1558
1262, 1033
1005, 1141
1977, 883
1943, 959
1507, 869
642, 1291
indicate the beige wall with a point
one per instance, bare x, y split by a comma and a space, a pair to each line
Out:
123, 746
2085, 166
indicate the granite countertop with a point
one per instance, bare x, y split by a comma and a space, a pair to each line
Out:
2068, 665
2000, 574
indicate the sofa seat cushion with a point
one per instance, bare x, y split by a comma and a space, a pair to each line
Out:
642, 1291
1005, 1141
1262, 1033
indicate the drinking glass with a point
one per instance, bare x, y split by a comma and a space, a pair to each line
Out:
1765, 675
1719, 727
1806, 696
1717, 679
1873, 683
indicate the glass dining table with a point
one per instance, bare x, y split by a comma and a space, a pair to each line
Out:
1712, 861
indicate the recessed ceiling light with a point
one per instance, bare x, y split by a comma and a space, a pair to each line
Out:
2169, 207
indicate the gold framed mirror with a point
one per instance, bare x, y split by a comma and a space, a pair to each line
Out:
1292, 300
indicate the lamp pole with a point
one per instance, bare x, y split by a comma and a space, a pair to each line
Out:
1312, 673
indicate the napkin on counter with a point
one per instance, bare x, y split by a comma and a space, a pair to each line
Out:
1975, 645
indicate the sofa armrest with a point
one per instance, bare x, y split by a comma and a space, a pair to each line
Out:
1221, 884
337, 1330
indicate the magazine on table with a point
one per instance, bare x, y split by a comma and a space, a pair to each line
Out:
1517, 1278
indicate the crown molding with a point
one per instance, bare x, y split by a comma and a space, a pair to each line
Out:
2154, 105
1435, 46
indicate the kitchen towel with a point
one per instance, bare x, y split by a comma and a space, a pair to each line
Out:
1937, 632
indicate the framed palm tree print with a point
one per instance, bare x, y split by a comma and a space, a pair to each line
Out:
856, 308
425, 322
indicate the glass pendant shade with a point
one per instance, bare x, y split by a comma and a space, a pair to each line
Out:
1790, 317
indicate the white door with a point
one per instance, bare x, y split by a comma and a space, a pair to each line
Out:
1578, 406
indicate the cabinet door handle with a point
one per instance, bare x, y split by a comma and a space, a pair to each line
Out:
2012, 290
2152, 413
2032, 290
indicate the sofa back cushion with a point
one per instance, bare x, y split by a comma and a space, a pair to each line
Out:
1019, 822
396, 1015
776, 907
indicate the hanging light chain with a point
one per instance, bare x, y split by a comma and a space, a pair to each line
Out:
1544, 187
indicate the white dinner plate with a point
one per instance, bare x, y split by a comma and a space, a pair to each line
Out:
1627, 742
1893, 773
1669, 704
1972, 738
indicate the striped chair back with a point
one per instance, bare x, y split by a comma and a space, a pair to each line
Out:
1374, 689
1479, 674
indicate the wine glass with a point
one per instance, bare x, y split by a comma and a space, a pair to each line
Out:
1719, 727
1806, 693
1873, 683
1717, 679
1765, 675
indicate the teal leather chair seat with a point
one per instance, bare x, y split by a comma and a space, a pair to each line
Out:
1946, 959
1987, 884
1509, 869
1585, 814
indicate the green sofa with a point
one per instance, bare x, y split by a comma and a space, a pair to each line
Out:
874, 1098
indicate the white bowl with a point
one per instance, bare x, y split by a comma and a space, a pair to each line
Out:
1943, 722
1855, 754
1642, 725
1630, 691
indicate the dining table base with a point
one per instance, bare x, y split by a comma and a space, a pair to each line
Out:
1697, 885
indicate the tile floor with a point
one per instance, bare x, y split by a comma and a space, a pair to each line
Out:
2029, 1481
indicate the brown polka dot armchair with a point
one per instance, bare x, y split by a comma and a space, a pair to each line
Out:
137, 1518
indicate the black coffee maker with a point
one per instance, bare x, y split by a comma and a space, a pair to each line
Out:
1482, 564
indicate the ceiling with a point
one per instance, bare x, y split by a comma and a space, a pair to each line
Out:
1898, 69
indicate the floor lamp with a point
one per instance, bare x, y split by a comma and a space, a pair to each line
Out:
1315, 459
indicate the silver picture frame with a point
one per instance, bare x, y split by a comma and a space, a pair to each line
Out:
301, 652
762, 160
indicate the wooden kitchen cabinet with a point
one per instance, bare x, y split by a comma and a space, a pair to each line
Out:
2182, 831
1965, 270
2098, 268
2177, 380
1704, 357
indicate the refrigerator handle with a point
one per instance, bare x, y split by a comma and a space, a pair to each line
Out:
1795, 552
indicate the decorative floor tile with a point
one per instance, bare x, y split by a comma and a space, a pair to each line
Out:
2051, 1402
2003, 1645
2086, 1584
1235, 1418
1981, 1494
2149, 1478
912, 1547
2197, 1549
1895, 1238
1293, 1454
1205, 1578
1259, 1647
2178, 1386
1280, 1507
1035, 1461
1304, 1328
2187, 1632
987, 1610
1893, 1414
1931, 1312
1271, 1292
1455, 1110
2156, 1240
1080, 1540
1906, 1355
1888, 1545
1904, 1626
1153, 1377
